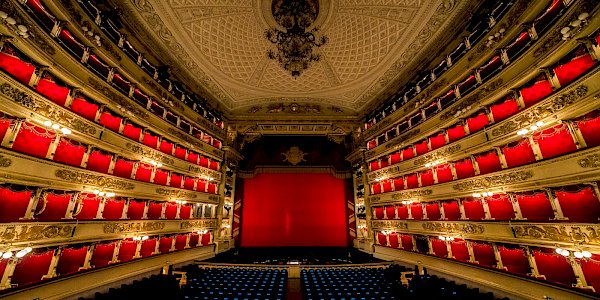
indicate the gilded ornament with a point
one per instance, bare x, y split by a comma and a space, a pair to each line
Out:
28, 233
411, 194
442, 154
175, 193
118, 227
493, 181
464, 228
5, 162
103, 181
138, 149
590, 161
117, 98
210, 223
389, 224
472, 99
294, 155
584, 234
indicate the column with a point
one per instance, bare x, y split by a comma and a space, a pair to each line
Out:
449, 248
163, 210
532, 263
499, 264
515, 205
486, 209
471, 252
558, 214
145, 214
461, 208
8, 272
11, 134
387, 240
86, 157
33, 201
53, 145
430, 245
88, 257
442, 212
424, 208
187, 241
177, 216
410, 217
414, 242
115, 258
53, 263
138, 249
71, 206
576, 265
125, 209
101, 209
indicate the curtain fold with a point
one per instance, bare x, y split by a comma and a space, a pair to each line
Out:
555, 141
31, 268
535, 206
20, 70
518, 153
488, 162
53, 206
71, 259
33, 140
103, 254
500, 207
99, 161
13, 203
69, 152
84, 108
51, 90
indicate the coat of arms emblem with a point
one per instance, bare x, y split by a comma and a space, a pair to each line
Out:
294, 155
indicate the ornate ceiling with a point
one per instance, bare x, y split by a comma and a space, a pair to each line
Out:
222, 47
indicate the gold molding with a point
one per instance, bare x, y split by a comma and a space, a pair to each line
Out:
493, 181
395, 224
175, 193
464, 228
588, 234
590, 161
141, 150
97, 180
133, 227
5, 162
25, 233
411, 194
212, 223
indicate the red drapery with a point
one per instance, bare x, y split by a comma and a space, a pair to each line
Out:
103, 254
417, 211
500, 207
165, 244
421, 147
387, 185
433, 211
555, 141
398, 183
484, 254
437, 141
194, 239
214, 165
439, 247
161, 177
185, 212
71, 259
568, 72
99, 161
201, 185
412, 181
150, 140
504, 109
113, 209
464, 168
473, 210
143, 172
407, 153
154, 211
56, 93
488, 162
554, 267
477, 122
514, 260
591, 270
127, 250
123, 168
180, 152
443, 173
53, 206
376, 188
31, 268
87, 207
384, 162
390, 212
533, 94
69, 152
111, 122
204, 161
180, 241
166, 147
84, 108
372, 144
5, 122
374, 165
188, 183
33, 140
407, 243
13, 203
381, 239
148, 247
427, 178
589, 126
395, 158
402, 211
176, 180
456, 133
451, 210
579, 204
378, 213
14, 66
518, 153
131, 131
394, 240
460, 250
171, 211
535, 206
135, 210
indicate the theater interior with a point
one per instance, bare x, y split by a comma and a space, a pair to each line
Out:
300, 149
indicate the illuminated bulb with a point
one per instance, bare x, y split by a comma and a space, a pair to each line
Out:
476, 195
576, 23
21, 253
22, 28
144, 238
153, 163
582, 17
442, 238
558, 250
578, 254
96, 192
47, 123
66, 131
534, 127
183, 202
101, 194
451, 238
109, 195
427, 165
3, 15
159, 165
564, 252
565, 30
11, 21
539, 123
84, 28
586, 254
55, 126
136, 238
7, 255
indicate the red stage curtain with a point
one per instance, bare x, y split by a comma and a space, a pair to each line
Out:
33, 140
176, 180
417, 211
131, 131
99, 161
84, 108
579, 204
135, 210
412, 181
127, 250
398, 183
87, 207
568, 72
421, 148
376, 188
589, 126
390, 212
443, 173
180, 152
381, 238
13, 203
437, 141
185, 212
402, 211
407, 243
148, 247
166, 147
504, 109
188, 183
455, 133
150, 140
500, 207
484, 254
439, 247
427, 178
451, 210
378, 212
514, 260
53, 207
464, 168
143, 172
535, 206
161, 177
56, 93
111, 122
590, 268
154, 211
214, 165
71, 259
533, 94
204, 161
14, 66
477, 122
69, 152
194, 239
460, 250
113, 209
408, 153
488, 162
123, 168
473, 210
165, 244
395, 158
31, 268
555, 141
433, 211
103, 254
518, 153
554, 267
180, 241
394, 240
387, 185
171, 211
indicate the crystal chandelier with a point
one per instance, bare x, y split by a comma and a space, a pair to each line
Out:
295, 44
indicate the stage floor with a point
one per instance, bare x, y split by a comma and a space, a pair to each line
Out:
294, 256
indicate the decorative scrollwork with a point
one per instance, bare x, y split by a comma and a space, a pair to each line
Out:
437, 155
118, 227
590, 161
589, 234
472, 99
27, 233
175, 193
411, 194
465, 228
210, 223
149, 153
5, 162
124, 102
389, 224
493, 181
91, 179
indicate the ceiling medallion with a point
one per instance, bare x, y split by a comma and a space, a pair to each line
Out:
295, 44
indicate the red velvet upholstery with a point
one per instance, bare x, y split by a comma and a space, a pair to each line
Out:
148, 247
437, 141
123, 168
439, 247
131, 131
378, 213
376, 188
171, 211
189, 183
214, 165
398, 183
212, 188
402, 211
69, 152
417, 211
166, 147
474, 210
443, 173
185, 212
451, 210
84, 108
99, 161
407, 153
206, 238
460, 250
536, 92
194, 239
13, 203
180, 241
176, 180
422, 147
165, 244
407, 243
180, 153
500, 207
394, 243
150, 140
464, 168
477, 122
412, 181
518, 153
589, 126
591, 270
14, 66
33, 140
71, 259
113, 209
395, 158
488, 162
143, 172
504, 109
53, 206
381, 239
535, 206
484, 254
56, 93
110, 121
427, 178
514, 260
374, 165
384, 162
103, 254
568, 72
555, 141
579, 204
554, 267
203, 161
456, 133
372, 144
386, 185
31, 268
127, 250
87, 207
135, 211
390, 212
433, 211
161, 177
154, 211
6, 121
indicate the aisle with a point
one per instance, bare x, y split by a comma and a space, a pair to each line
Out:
294, 289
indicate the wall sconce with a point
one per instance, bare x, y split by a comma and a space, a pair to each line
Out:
577, 254
408, 202
155, 163
19, 254
434, 163
140, 238
104, 194
446, 238
19, 29
575, 26
180, 202
531, 128
63, 130
484, 194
